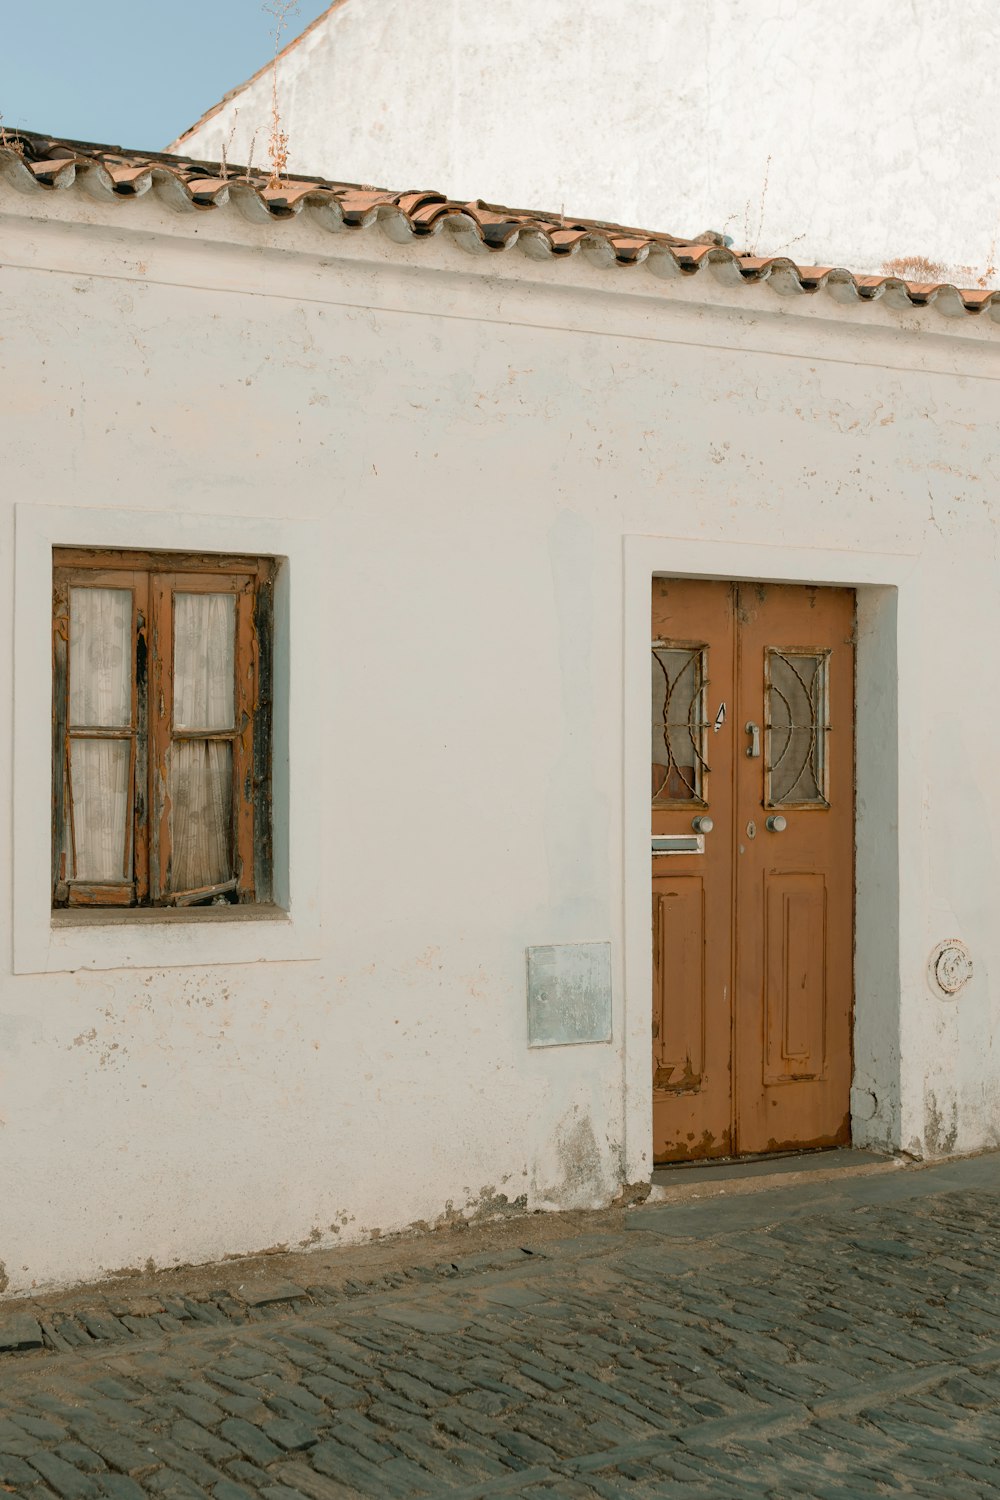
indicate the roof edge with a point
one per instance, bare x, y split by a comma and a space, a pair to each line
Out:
37, 164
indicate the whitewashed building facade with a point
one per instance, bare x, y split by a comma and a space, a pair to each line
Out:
466, 453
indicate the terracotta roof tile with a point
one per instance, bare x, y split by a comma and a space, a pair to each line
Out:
414, 203
42, 163
125, 174
358, 203
693, 254
565, 239
424, 214
205, 190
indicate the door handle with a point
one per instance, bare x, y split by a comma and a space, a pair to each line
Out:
777, 824
753, 749
702, 825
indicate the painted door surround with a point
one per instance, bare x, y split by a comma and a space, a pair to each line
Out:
888, 873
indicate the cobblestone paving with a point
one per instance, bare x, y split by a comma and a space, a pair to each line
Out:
840, 1340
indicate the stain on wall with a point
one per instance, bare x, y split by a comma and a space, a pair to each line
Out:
571, 1171
939, 1137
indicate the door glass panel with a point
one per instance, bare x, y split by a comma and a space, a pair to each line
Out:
201, 801
679, 724
204, 646
100, 661
99, 775
797, 728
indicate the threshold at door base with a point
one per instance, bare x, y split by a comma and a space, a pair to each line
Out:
687, 1182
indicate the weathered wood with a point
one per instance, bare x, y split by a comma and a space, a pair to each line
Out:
160, 713
99, 893
141, 799
88, 561
203, 893
246, 706
753, 939
154, 579
262, 733
60, 702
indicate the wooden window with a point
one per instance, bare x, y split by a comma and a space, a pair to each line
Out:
161, 729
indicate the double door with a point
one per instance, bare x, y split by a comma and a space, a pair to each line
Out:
752, 866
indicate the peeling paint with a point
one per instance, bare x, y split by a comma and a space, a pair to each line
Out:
486, 1204
632, 1193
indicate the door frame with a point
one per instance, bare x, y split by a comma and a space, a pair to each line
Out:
887, 862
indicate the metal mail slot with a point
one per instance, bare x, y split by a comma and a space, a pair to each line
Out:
678, 843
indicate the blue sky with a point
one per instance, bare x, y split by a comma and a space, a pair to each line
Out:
127, 72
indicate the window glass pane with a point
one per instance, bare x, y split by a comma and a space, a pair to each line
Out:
204, 645
201, 794
797, 727
679, 745
100, 659
99, 775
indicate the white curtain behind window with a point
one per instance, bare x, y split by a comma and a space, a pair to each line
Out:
100, 697
201, 797
100, 661
201, 771
204, 655
99, 773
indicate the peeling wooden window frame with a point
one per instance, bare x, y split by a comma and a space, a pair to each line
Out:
153, 577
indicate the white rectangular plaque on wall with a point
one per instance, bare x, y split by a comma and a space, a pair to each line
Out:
569, 994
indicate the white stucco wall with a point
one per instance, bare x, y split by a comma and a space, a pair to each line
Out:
475, 449
859, 135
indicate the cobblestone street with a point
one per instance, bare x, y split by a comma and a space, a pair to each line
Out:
835, 1339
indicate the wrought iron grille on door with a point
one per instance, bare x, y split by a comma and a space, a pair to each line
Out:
680, 724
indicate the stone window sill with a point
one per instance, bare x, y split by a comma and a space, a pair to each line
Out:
128, 916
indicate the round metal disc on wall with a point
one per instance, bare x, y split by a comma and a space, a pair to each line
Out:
950, 967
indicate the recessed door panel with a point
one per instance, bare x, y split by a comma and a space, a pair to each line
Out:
795, 977
679, 969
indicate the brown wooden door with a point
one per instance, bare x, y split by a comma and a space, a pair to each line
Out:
752, 866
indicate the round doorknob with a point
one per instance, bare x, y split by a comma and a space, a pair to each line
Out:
702, 825
777, 824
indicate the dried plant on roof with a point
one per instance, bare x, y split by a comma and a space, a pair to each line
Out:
753, 242
915, 268
227, 147
10, 142
752, 234
280, 11
989, 275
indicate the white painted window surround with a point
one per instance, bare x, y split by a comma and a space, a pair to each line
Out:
47, 942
